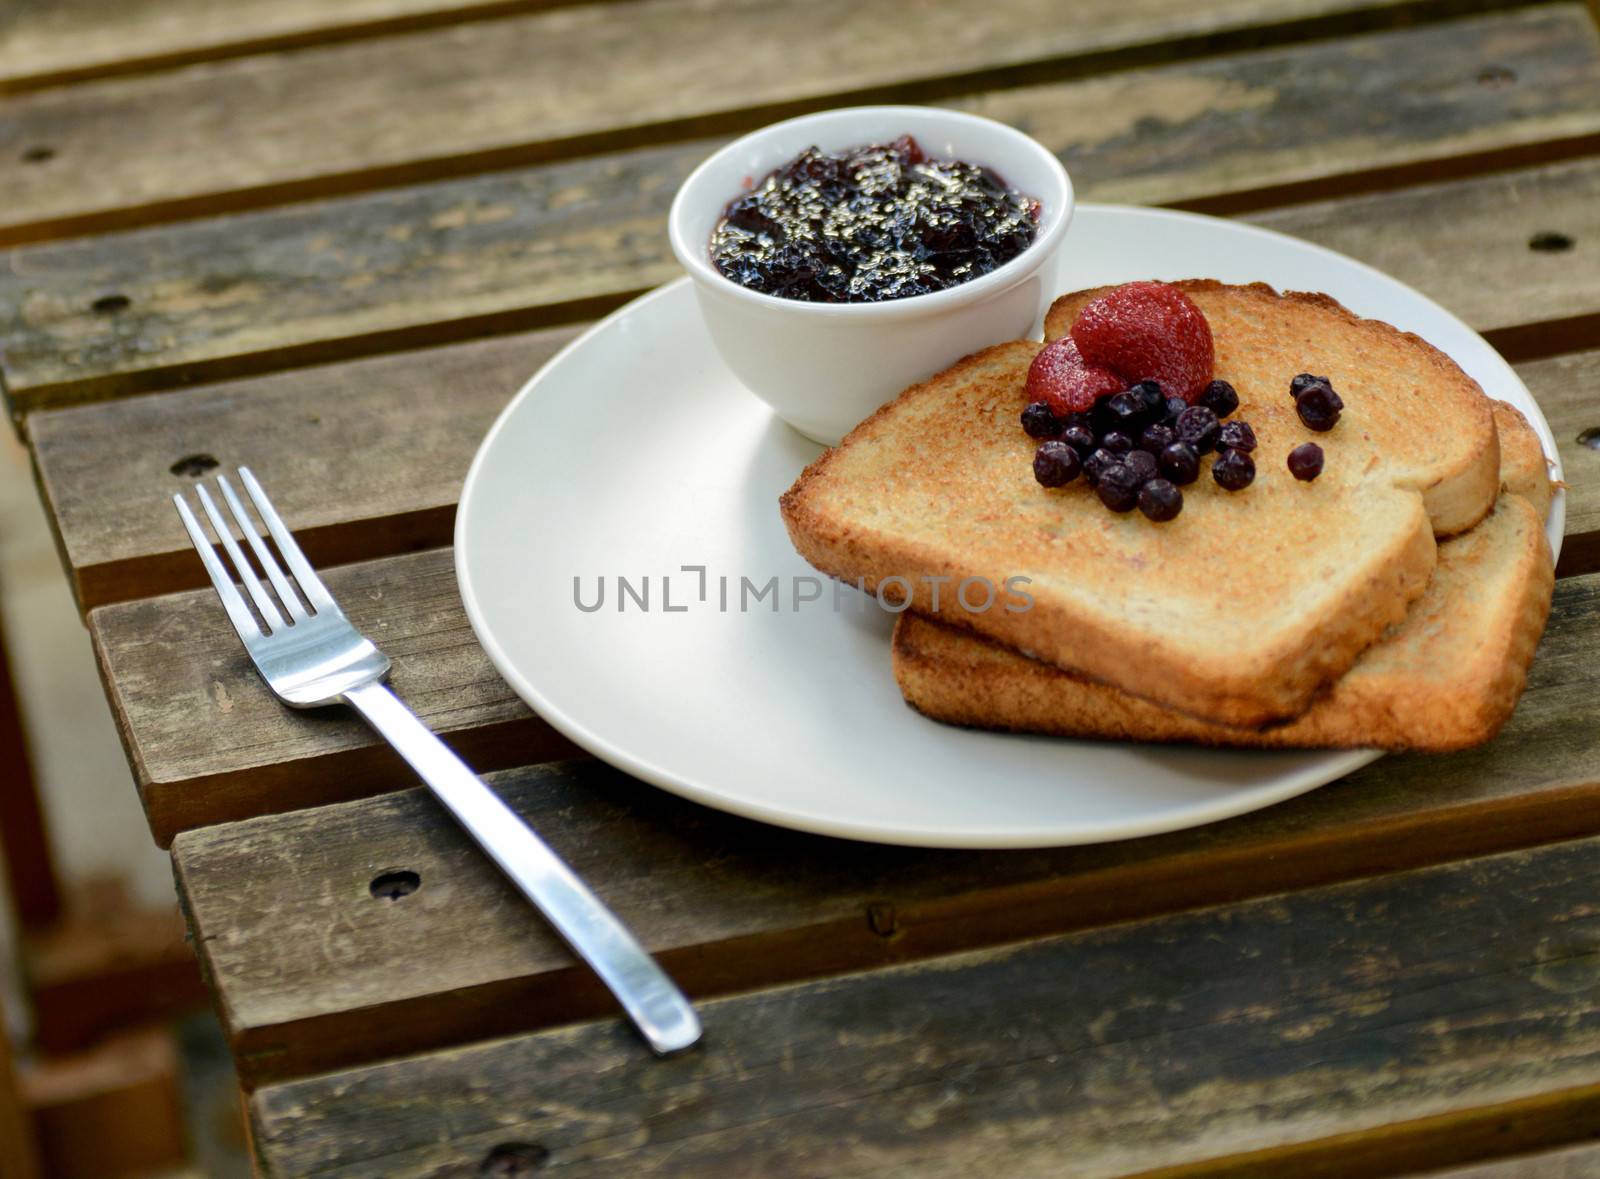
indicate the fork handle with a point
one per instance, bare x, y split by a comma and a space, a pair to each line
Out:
652, 1000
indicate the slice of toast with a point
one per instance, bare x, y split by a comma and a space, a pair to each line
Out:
1447, 677
1236, 612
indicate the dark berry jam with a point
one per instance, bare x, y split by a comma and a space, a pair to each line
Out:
869, 224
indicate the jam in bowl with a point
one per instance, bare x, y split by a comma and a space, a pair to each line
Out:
831, 272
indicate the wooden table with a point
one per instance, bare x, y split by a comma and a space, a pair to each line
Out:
332, 240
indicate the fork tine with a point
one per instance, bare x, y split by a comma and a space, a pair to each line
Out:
286, 593
258, 593
316, 593
238, 613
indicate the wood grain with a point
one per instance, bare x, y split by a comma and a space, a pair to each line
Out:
53, 42
699, 886
363, 459
1575, 1162
450, 260
339, 118
209, 742
1351, 1030
1568, 390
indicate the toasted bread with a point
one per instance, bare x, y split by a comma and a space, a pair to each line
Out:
1446, 677
1241, 609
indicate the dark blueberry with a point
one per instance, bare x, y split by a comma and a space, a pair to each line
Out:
1055, 463
1220, 398
1097, 464
1119, 488
1160, 500
1039, 422
1116, 442
1157, 438
1197, 426
1077, 419
1234, 470
1318, 406
1101, 418
1142, 463
1155, 402
1080, 438
1305, 461
1236, 436
1304, 381
1175, 406
1180, 463
1127, 412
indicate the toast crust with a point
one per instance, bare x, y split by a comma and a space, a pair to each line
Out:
1273, 592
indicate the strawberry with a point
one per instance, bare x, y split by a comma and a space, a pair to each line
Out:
1059, 377
1149, 331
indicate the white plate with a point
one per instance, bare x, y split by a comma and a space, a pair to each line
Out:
634, 453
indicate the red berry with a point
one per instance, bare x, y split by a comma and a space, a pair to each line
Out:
1149, 331
1059, 377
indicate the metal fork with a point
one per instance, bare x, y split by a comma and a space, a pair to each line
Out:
310, 655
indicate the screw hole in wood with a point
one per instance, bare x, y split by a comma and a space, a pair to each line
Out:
110, 304
38, 154
1550, 242
192, 466
391, 886
1497, 77
1590, 438
512, 1159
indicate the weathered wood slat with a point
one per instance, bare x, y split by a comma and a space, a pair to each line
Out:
1573, 1162
343, 117
1568, 390
208, 741
367, 457
700, 889
1357, 1030
364, 459
52, 42
444, 261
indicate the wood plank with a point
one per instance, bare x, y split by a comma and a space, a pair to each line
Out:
53, 42
450, 260
699, 887
363, 459
366, 458
208, 742
1566, 388
1353, 1031
1573, 1162
344, 117
19, 1155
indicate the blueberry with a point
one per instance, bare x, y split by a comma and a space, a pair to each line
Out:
1197, 426
1097, 464
1157, 438
1304, 381
1116, 442
1077, 419
1155, 402
1119, 488
1039, 422
1234, 470
1142, 463
1160, 500
1127, 412
1305, 461
1080, 438
1175, 406
1180, 463
1055, 463
1318, 406
1220, 398
1236, 436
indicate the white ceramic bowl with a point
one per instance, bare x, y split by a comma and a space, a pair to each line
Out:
825, 366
